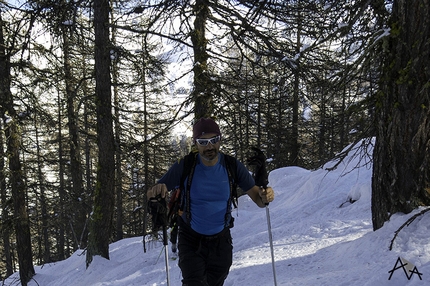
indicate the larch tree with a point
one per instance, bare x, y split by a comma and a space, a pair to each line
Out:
79, 215
104, 194
11, 125
202, 93
401, 169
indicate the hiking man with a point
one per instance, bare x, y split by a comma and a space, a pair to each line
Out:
205, 243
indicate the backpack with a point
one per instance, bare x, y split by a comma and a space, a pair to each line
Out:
179, 201
173, 207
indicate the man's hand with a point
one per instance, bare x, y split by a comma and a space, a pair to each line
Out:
267, 195
158, 189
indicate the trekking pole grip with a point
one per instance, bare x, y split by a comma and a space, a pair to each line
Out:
264, 187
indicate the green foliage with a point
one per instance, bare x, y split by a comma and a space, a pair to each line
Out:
395, 29
404, 75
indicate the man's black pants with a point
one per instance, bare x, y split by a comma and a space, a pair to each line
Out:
204, 260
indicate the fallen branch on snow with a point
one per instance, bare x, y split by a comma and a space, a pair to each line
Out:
407, 223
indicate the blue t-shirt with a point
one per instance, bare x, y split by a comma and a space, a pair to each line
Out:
210, 192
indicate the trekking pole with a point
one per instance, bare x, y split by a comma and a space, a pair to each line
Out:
166, 252
261, 179
269, 226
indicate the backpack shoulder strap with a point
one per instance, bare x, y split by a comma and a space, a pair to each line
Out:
190, 161
188, 172
189, 165
231, 167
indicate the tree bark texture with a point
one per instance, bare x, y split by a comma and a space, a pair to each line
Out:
401, 171
104, 195
16, 177
203, 90
6, 228
78, 212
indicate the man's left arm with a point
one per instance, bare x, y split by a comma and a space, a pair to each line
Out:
261, 196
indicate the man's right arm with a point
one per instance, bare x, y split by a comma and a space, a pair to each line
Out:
172, 177
169, 181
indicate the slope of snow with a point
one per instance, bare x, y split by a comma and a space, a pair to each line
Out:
319, 237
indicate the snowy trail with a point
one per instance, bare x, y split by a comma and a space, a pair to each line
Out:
319, 237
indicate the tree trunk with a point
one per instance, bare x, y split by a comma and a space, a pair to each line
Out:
145, 143
17, 184
295, 147
104, 194
202, 93
118, 153
401, 172
61, 190
6, 229
79, 213
22, 224
46, 249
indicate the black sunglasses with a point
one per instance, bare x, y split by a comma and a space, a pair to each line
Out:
205, 142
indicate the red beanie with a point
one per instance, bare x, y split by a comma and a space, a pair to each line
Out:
203, 126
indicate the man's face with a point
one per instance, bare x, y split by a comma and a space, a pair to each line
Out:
208, 149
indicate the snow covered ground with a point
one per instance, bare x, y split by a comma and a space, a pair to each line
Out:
319, 236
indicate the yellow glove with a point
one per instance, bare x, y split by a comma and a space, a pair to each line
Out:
158, 189
267, 195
